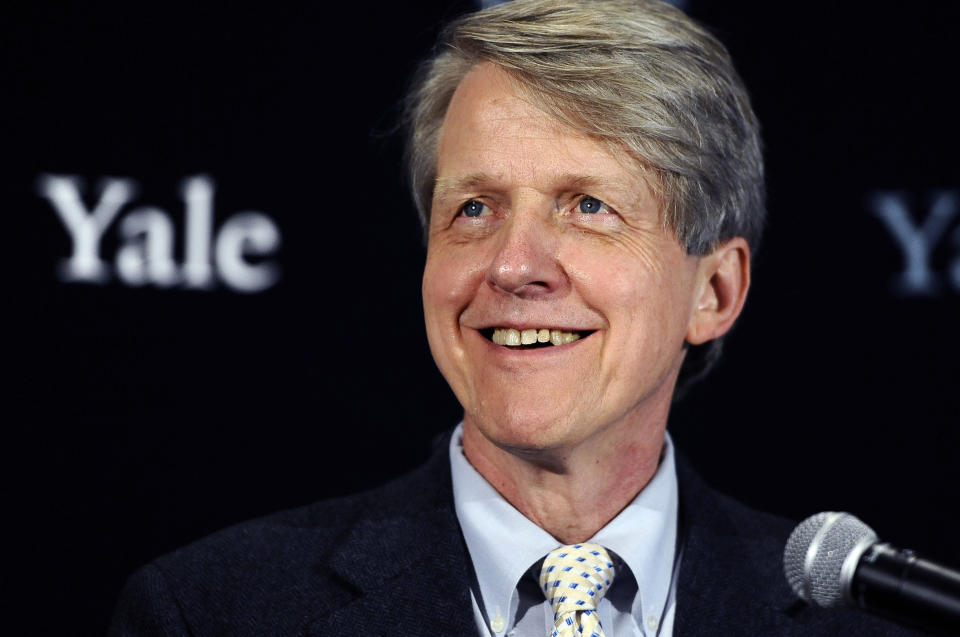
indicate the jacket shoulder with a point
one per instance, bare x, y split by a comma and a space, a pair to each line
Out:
731, 573
279, 573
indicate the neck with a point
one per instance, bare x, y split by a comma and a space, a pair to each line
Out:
573, 490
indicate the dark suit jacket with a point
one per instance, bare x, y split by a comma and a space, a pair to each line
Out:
393, 562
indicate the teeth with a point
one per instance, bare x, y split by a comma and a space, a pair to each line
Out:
514, 338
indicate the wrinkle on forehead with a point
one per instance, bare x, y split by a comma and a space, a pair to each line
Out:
503, 109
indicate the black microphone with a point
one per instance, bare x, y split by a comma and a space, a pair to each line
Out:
833, 559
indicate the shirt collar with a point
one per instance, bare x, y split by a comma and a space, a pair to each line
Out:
644, 535
503, 543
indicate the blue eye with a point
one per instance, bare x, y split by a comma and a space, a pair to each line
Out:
473, 208
590, 205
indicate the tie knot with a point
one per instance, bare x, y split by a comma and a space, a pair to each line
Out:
575, 578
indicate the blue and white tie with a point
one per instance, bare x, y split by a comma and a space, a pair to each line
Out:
574, 579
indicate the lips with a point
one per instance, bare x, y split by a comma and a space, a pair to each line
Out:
532, 337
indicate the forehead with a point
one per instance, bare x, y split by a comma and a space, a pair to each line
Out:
492, 129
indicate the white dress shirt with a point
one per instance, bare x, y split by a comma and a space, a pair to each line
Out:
506, 549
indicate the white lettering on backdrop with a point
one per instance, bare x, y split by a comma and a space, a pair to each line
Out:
148, 236
918, 239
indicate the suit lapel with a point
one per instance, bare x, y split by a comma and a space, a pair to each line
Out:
408, 568
408, 571
730, 576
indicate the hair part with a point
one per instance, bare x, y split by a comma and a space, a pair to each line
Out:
638, 75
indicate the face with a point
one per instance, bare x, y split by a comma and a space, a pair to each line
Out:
540, 232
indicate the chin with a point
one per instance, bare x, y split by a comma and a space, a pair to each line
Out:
524, 428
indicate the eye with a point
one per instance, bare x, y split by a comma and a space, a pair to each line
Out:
474, 208
591, 205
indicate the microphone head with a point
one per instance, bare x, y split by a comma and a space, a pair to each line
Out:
822, 554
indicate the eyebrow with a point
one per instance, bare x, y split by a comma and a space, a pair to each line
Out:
444, 186
584, 182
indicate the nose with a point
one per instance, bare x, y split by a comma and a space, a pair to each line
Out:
526, 262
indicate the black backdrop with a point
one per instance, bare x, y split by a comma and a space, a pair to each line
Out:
143, 416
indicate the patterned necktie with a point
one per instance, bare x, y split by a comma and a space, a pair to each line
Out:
574, 579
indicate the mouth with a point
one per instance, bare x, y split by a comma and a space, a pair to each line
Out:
532, 338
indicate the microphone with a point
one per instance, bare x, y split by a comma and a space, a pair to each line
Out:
833, 559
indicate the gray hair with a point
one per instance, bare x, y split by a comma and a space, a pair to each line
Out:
636, 74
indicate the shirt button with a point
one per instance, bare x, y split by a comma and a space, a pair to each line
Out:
498, 624
652, 623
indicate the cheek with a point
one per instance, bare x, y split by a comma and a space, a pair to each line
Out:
450, 283
439, 318
451, 279
647, 307
609, 282
660, 318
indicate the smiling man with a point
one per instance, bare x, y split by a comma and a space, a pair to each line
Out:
591, 185
590, 180
558, 304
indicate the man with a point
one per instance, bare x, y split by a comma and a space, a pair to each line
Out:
590, 180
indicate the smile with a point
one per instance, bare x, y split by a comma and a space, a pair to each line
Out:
531, 338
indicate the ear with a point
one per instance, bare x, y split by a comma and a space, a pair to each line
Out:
723, 278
